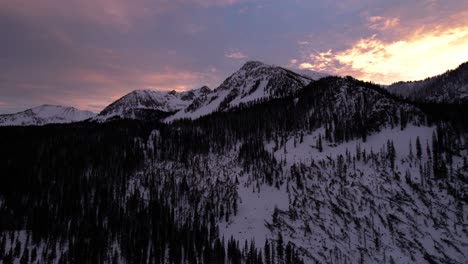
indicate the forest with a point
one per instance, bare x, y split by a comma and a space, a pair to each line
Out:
131, 191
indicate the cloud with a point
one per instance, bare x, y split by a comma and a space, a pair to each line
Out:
118, 13
121, 14
381, 23
236, 55
93, 89
424, 52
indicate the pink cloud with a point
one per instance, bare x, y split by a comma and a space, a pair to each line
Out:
382, 23
121, 14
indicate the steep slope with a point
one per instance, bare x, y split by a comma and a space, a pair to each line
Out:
45, 114
344, 173
450, 87
255, 81
148, 104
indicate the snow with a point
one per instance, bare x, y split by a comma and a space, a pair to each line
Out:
306, 151
371, 196
255, 208
314, 75
214, 100
45, 114
254, 81
165, 101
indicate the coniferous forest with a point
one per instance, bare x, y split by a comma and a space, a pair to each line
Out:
368, 176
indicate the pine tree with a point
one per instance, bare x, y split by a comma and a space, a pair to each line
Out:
435, 156
411, 150
267, 254
391, 153
289, 254
340, 167
418, 148
25, 257
319, 143
3, 246
17, 251
33, 254
279, 249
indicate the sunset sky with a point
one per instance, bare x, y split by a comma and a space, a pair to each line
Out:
87, 53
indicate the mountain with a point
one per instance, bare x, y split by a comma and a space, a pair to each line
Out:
148, 104
340, 171
45, 114
314, 75
253, 82
449, 88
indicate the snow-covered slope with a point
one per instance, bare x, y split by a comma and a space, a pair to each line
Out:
450, 87
314, 75
137, 104
351, 179
341, 172
45, 114
345, 172
255, 81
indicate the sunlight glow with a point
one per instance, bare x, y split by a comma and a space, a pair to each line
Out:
417, 56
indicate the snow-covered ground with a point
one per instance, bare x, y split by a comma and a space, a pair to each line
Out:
255, 209
307, 151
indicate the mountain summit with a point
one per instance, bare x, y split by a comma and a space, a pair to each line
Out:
254, 81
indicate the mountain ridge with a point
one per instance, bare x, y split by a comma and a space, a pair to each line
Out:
45, 114
450, 87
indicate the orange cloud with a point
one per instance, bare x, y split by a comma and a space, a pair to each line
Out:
422, 53
321, 61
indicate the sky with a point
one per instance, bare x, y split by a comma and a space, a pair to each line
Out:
88, 53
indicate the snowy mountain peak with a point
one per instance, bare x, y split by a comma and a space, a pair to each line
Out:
252, 65
204, 89
253, 82
141, 104
45, 114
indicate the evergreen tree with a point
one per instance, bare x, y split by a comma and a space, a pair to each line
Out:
288, 254
418, 148
319, 143
266, 251
279, 249
411, 150
391, 153
17, 252
25, 257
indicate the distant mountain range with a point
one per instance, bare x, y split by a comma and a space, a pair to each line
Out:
254, 82
45, 114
